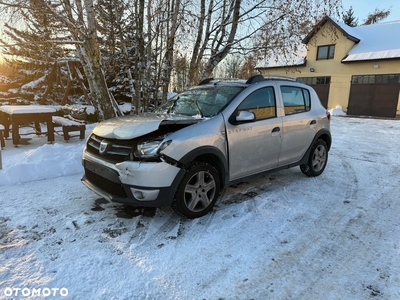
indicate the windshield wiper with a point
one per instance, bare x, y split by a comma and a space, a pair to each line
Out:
173, 105
198, 108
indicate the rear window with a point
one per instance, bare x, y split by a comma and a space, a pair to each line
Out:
295, 99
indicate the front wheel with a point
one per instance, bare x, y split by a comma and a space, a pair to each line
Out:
198, 191
317, 160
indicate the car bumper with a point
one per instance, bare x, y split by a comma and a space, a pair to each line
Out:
135, 183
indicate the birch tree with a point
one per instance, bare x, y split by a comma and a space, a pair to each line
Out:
81, 22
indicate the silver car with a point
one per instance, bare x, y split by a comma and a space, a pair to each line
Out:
205, 139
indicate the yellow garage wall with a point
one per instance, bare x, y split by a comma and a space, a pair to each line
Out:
339, 72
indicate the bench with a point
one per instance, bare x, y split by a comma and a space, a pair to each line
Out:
2, 143
73, 119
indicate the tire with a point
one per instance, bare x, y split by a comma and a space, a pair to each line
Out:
198, 191
317, 160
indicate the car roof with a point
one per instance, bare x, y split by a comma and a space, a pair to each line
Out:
251, 80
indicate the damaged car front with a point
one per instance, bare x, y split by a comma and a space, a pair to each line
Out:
140, 160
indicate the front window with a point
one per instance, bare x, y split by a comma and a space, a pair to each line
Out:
261, 103
326, 52
205, 101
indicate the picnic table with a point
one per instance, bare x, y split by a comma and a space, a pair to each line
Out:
16, 115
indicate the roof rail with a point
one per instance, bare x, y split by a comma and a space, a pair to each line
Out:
216, 80
262, 77
205, 81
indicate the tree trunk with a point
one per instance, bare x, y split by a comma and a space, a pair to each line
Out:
169, 53
89, 52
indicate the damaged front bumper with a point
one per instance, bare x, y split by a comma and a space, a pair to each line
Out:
142, 184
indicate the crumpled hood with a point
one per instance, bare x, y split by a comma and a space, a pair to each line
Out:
129, 127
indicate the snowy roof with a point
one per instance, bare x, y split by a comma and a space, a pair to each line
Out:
377, 41
277, 60
372, 42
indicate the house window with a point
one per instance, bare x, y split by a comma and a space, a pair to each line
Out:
326, 52
378, 79
316, 80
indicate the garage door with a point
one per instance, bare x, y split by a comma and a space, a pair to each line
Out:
374, 95
321, 86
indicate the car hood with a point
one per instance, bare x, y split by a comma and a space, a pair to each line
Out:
129, 127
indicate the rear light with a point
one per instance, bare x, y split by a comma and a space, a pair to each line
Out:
328, 115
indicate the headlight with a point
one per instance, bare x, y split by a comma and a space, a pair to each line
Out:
149, 149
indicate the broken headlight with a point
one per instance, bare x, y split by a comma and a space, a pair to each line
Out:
150, 148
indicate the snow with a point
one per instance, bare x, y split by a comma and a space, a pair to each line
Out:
337, 111
33, 84
280, 236
4, 79
64, 121
28, 109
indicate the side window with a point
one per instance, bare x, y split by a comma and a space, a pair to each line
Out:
295, 99
261, 103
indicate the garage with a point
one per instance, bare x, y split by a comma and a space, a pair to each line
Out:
374, 95
321, 85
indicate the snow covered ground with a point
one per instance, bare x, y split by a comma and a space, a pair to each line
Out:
281, 236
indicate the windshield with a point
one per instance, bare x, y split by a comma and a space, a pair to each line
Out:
205, 101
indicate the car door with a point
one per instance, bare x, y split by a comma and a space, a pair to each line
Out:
254, 145
299, 124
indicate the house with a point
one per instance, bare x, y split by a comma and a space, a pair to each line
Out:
357, 68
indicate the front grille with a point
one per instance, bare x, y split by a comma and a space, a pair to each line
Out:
116, 150
110, 187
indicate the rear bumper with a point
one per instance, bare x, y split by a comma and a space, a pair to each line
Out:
138, 184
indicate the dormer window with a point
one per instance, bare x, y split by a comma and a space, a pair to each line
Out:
326, 52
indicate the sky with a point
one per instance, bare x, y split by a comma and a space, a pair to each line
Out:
363, 7
280, 236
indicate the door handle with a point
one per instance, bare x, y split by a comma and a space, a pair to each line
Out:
276, 129
313, 122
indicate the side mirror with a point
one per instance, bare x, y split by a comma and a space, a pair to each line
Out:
245, 116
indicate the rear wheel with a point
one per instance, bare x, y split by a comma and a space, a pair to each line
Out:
198, 191
317, 160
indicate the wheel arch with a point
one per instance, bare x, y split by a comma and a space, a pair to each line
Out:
326, 136
212, 156
323, 134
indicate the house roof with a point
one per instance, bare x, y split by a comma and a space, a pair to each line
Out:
372, 42
277, 60
377, 41
343, 28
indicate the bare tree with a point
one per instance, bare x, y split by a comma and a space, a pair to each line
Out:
231, 66
377, 16
225, 27
248, 68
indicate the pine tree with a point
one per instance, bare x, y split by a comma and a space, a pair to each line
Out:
31, 52
349, 19
111, 24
